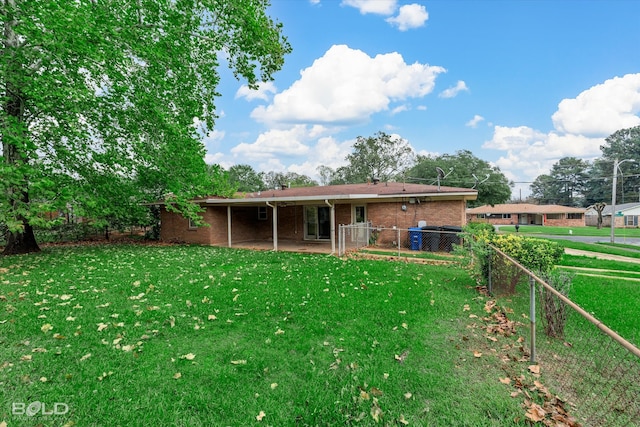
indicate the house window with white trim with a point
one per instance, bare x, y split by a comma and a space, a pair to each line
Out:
192, 224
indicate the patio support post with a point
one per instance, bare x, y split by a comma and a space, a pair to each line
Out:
275, 224
333, 226
229, 225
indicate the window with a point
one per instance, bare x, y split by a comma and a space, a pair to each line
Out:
574, 216
631, 220
480, 216
262, 213
506, 216
192, 224
554, 216
360, 214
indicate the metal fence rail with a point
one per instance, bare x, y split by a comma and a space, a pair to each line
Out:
589, 366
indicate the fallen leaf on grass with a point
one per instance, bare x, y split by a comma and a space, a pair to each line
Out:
39, 350
402, 420
534, 369
189, 356
536, 413
279, 332
46, 327
477, 354
239, 362
376, 412
408, 395
85, 357
26, 358
505, 380
212, 317
177, 375
260, 416
402, 357
105, 375
466, 307
102, 326
274, 385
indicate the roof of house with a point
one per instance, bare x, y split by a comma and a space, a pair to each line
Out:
387, 191
523, 208
619, 208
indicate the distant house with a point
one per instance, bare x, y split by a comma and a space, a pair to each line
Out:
626, 215
528, 214
314, 213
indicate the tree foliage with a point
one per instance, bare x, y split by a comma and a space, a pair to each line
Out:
104, 94
381, 156
286, 179
463, 169
564, 185
245, 178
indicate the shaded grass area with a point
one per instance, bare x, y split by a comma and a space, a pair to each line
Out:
201, 336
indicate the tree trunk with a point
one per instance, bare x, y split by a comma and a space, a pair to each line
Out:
21, 242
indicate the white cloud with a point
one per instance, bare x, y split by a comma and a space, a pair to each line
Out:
264, 88
274, 143
379, 7
410, 16
473, 123
399, 109
453, 91
348, 86
581, 125
602, 109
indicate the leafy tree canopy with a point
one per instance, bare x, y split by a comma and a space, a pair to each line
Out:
381, 156
465, 170
288, 179
104, 96
565, 185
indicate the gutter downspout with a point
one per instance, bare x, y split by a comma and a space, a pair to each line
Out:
275, 224
229, 225
333, 226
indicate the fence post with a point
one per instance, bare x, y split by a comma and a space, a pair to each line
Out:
489, 281
398, 240
532, 316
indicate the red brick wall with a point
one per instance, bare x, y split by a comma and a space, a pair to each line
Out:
246, 226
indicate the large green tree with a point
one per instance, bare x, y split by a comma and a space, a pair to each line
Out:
564, 185
246, 178
622, 145
465, 170
381, 156
286, 179
98, 92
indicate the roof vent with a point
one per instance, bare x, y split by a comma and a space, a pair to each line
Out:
376, 181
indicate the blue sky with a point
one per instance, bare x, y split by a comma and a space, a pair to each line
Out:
519, 83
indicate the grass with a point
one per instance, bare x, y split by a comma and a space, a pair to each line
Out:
201, 336
576, 231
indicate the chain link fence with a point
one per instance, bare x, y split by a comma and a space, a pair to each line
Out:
588, 366
428, 238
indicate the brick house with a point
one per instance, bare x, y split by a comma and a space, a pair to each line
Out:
528, 214
313, 213
627, 215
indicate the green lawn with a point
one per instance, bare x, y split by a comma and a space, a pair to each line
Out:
202, 336
576, 231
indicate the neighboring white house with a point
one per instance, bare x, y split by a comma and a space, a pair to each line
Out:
626, 215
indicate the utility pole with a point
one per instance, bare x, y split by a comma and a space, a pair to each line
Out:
616, 164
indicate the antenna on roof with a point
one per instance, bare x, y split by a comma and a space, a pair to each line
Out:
442, 175
478, 182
